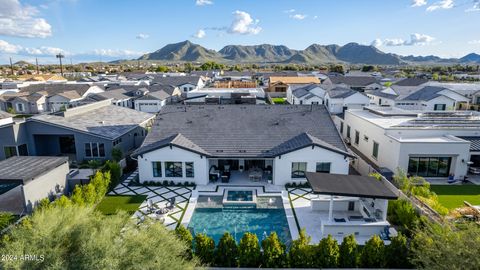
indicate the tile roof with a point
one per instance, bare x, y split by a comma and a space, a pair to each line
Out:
158, 95
4, 115
72, 94
411, 82
474, 142
341, 92
426, 93
353, 80
107, 121
379, 93
295, 80
26, 168
176, 80
243, 131
53, 89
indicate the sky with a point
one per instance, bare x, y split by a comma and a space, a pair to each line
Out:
104, 30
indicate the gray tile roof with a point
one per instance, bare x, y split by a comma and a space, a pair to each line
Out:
116, 94
340, 92
474, 143
53, 89
158, 95
4, 115
411, 82
176, 80
425, 93
353, 80
243, 131
303, 89
379, 93
107, 121
26, 168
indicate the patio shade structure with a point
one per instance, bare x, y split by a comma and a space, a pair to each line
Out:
348, 186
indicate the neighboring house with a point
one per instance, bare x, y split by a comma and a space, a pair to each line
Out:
22, 104
87, 132
51, 78
281, 84
151, 102
225, 96
24, 181
184, 83
359, 83
14, 140
190, 143
119, 97
429, 144
339, 99
427, 98
305, 94
64, 100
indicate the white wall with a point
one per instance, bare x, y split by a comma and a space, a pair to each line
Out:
282, 166
149, 106
200, 165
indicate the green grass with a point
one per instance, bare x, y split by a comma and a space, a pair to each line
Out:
128, 203
452, 196
278, 100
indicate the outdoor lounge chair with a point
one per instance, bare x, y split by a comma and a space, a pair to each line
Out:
171, 203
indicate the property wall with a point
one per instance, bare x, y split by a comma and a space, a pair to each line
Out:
200, 164
44, 185
282, 166
12, 201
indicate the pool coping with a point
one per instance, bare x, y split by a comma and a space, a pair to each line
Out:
292, 225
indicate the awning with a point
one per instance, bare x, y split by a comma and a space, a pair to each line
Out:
349, 185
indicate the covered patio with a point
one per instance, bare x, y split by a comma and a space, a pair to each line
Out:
241, 170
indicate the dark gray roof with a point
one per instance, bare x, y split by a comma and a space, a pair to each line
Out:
340, 92
303, 89
411, 82
353, 80
57, 88
158, 95
176, 80
425, 93
117, 94
379, 93
474, 142
243, 131
349, 185
26, 168
4, 115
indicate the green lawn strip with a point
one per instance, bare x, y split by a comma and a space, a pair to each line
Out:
293, 211
299, 196
129, 203
452, 196
179, 222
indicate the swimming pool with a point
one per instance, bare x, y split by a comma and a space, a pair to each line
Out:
267, 217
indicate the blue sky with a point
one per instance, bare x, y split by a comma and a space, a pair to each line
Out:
108, 29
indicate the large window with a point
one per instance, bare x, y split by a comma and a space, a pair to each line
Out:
348, 131
299, 169
94, 150
375, 150
341, 128
157, 169
189, 172
429, 166
323, 167
10, 151
439, 107
357, 137
173, 169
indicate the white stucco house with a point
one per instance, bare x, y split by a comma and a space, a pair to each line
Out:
339, 99
305, 94
152, 102
275, 144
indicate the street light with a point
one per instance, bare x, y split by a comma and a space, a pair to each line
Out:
60, 56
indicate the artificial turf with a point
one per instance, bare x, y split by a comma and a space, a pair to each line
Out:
452, 196
128, 203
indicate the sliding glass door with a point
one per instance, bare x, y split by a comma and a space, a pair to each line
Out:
429, 166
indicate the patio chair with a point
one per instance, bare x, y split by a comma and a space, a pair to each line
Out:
171, 203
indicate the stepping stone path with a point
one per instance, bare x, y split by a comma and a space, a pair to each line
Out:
160, 196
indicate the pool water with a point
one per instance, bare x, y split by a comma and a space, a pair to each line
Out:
240, 196
239, 220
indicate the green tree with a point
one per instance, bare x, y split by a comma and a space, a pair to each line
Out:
77, 196
81, 238
100, 183
249, 251
115, 171
301, 252
397, 253
373, 253
186, 237
94, 165
161, 69
117, 154
273, 252
204, 248
327, 253
227, 251
89, 194
348, 252
402, 213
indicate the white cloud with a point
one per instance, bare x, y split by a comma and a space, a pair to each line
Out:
6, 47
142, 36
475, 7
315, 17
200, 34
443, 4
474, 42
415, 39
22, 21
298, 16
115, 53
9, 48
203, 2
289, 11
244, 24
419, 3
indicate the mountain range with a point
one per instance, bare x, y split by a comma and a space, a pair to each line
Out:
351, 53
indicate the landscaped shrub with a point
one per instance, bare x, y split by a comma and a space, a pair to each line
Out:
348, 252
227, 251
273, 252
89, 194
6, 219
43, 204
204, 248
397, 253
301, 252
77, 196
165, 182
117, 154
402, 213
115, 173
327, 253
373, 253
63, 202
185, 236
249, 251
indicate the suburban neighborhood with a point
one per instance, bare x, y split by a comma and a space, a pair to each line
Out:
188, 156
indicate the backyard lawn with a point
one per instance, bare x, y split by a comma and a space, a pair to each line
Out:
452, 196
128, 203
278, 100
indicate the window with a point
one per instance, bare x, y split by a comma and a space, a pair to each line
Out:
101, 149
157, 169
20, 107
365, 138
88, 150
189, 171
22, 150
341, 128
323, 167
429, 166
94, 150
173, 169
439, 107
348, 131
375, 150
299, 169
10, 151
357, 137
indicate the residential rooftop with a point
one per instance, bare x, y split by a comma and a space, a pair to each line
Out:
22, 169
